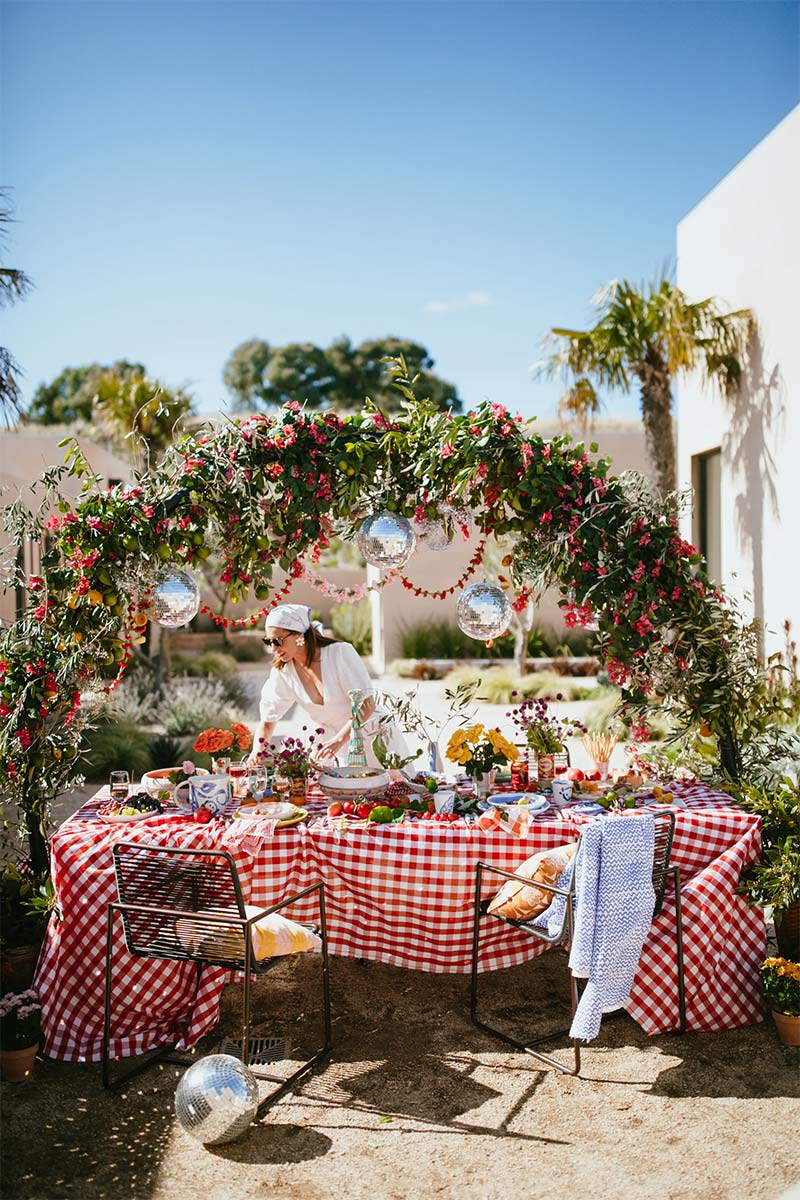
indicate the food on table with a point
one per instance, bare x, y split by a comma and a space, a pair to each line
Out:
132, 806
521, 902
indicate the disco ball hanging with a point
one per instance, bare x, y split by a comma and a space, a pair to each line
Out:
433, 535
175, 598
216, 1099
386, 540
484, 611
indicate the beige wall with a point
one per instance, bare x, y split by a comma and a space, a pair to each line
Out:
24, 457
742, 244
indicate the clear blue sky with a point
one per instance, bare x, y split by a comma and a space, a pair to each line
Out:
189, 175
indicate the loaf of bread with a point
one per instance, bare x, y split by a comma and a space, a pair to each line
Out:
520, 901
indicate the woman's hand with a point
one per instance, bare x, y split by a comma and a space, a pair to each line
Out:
329, 748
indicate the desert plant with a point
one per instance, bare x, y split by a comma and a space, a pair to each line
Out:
499, 683
353, 623
113, 744
189, 705
165, 751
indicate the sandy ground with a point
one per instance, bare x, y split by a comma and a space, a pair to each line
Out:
416, 1103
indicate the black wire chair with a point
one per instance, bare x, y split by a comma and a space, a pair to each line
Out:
663, 870
187, 906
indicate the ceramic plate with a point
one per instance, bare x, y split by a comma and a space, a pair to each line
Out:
125, 819
268, 809
530, 801
586, 807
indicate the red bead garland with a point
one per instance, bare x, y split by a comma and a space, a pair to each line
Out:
470, 570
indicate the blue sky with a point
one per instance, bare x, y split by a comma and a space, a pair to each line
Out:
189, 175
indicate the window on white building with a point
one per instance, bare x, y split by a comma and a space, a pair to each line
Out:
707, 480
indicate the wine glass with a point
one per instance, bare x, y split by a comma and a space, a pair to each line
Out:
119, 782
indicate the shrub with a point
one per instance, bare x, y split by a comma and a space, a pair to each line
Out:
167, 751
189, 705
132, 701
246, 648
438, 639
498, 683
115, 745
353, 623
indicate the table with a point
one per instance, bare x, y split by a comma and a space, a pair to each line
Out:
399, 894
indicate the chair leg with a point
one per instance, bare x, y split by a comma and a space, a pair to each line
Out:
676, 875
525, 1047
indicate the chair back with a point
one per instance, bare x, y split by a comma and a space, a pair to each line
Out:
180, 904
662, 851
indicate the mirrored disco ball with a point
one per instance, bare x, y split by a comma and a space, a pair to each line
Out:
217, 1099
484, 611
433, 535
386, 539
175, 598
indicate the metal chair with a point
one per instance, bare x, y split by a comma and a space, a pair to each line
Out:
187, 906
662, 870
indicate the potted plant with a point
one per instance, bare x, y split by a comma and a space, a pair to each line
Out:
20, 1031
781, 982
26, 901
775, 882
545, 734
479, 751
294, 761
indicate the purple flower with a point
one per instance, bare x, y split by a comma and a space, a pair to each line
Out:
188, 767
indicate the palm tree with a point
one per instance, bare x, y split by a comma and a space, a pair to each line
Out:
650, 333
14, 284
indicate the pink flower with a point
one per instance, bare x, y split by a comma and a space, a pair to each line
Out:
188, 767
447, 450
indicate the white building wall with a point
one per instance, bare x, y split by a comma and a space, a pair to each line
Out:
742, 245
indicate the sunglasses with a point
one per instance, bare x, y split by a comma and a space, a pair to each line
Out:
275, 643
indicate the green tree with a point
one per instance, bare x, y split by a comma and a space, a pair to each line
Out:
340, 376
14, 285
70, 396
140, 412
244, 374
650, 333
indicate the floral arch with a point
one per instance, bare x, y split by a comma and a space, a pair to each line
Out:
271, 490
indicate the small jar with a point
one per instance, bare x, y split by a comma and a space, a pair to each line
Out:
519, 775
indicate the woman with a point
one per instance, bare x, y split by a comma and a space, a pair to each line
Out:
317, 673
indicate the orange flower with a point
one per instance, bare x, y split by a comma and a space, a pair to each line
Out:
211, 741
244, 739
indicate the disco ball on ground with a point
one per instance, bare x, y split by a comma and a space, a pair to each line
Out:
386, 540
484, 611
434, 535
217, 1099
175, 598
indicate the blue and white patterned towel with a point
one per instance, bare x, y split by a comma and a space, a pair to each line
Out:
614, 901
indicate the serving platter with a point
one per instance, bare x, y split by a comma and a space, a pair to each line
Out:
283, 814
127, 818
529, 801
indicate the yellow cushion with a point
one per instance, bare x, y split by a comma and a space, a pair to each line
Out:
272, 936
523, 902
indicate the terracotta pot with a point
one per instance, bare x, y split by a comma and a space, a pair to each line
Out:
16, 1065
787, 932
20, 966
788, 1028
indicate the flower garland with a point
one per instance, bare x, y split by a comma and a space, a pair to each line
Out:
253, 618
345, 595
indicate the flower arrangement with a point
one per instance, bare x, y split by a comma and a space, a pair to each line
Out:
480, 750
780, 979
294, 759
545, 734
20, 1020
217, 741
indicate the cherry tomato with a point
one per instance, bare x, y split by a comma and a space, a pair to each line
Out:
363, 811
348, 807
202, 815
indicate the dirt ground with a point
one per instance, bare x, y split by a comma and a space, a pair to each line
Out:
415, 1103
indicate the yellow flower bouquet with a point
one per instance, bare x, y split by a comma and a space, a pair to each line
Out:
480, 750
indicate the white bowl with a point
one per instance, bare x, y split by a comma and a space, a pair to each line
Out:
156, 782
349, 783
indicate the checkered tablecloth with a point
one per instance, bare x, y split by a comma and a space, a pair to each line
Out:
398, 894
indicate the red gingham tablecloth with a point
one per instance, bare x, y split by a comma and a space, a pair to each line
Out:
398, 894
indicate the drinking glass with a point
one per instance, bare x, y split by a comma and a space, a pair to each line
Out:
238, 772
119, 782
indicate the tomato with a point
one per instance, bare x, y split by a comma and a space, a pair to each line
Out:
348, 807
202, 815
575, 774
363, 811
431, 806
336, 809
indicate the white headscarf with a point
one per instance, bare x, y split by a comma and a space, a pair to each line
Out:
291, 616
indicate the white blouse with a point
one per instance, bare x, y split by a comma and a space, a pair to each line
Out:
341, 671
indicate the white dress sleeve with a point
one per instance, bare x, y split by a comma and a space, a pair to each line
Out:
277, 696
351, 672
